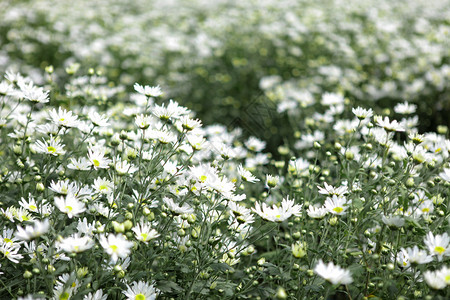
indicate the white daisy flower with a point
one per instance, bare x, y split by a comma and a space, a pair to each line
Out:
63, 118
389, 126
332, 273
246, 175
30, 232
51, 147
116, 246
140, 291
76, 244
144, 232
97, 119
149, 91
336, 205
438, 245
70, 205
275, 213
97, 159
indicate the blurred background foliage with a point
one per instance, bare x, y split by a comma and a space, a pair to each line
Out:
234, 62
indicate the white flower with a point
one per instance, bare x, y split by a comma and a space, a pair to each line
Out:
140, 291
144, 232
63, 118
332, 273
10, 251
81, 164
389, 126
240, 213
76, 244
446, 174
97, 159
149, 91
97, 119
70, 205
103, 186
316, 212
35, 94
417, 256
143, 121
176, 208
30, 232
438, 245
393, 221
98, 295
123, 167
255, 144
116, 246
331, 190
336, 205
51, 147
362, 113
434, 280
405, 108
331, 99
278, 214
246, 175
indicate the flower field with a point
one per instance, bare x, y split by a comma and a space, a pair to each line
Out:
224, 150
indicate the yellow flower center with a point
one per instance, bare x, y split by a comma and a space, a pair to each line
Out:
139, 297
114, 248
439, 249
338, 209
69, 208
425, 210
203, 178
103, 187
6, 240
51, 149
62, 120
33, 207
144, 236
25, 218
64, 296
447, 279
96, 162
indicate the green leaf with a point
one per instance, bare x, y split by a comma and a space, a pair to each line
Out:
169, 286
220, 267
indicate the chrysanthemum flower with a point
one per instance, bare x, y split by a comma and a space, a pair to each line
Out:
140, 291
30, 232
116, 246
332, 273
97, 159
76, 244
438, 245
70, 205
149, 91
144, 232
278, 214
51, 147
63, 118
336, 205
